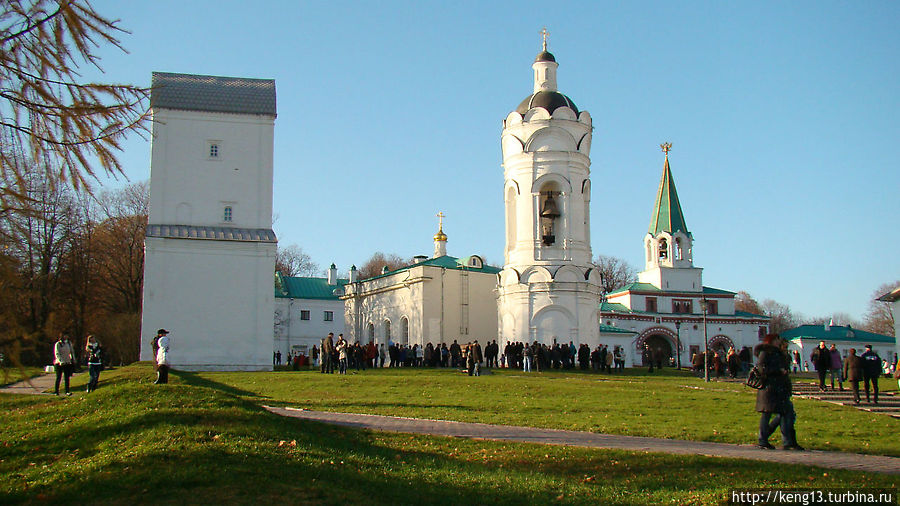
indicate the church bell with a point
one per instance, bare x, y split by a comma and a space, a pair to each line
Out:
550, 210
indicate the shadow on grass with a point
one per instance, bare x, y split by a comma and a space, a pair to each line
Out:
191, 378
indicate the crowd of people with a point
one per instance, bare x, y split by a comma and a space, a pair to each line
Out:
339, 355
866, 367
734, 363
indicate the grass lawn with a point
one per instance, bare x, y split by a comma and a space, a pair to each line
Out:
196, 441
671, 404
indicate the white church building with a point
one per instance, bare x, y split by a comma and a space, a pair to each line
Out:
434, 300
209, 247
664, 308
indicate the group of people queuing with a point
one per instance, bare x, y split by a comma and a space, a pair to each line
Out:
340, 355
853, 368
343, 355
65, 361
733, 363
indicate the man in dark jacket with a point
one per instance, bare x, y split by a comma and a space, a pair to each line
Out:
871, 370
821, 359
853, 372
775, 396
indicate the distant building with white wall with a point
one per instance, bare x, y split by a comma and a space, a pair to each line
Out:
306, 310
210, 248
433, 300
664, 308
807, 337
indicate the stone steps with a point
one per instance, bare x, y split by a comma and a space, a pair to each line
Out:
888, 402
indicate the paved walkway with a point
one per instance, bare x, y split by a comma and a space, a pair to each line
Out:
34, 386
830, 460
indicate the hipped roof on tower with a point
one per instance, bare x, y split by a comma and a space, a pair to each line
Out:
667, 215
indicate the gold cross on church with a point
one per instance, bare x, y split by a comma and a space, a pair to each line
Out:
545, 35
666, 147
441, 217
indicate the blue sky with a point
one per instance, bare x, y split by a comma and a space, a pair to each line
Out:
783, 117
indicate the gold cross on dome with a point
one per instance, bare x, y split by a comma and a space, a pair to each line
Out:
666, 147
545, 35
441, 217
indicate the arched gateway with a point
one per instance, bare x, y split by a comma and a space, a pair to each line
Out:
655, 342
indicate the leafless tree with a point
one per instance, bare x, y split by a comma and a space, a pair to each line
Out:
614, 272
293, 261
745, 302
879, 318
46, 113
782, 317
378, 261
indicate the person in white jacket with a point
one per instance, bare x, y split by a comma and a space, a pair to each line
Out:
63, 361
162, 360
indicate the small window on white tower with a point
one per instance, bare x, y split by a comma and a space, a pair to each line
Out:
663, 249
215, 149
678, 253
227, 214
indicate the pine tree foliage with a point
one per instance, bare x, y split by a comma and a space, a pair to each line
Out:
48, 117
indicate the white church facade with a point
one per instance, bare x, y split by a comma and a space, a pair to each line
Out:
434, 300
665, 307
548, 289
209, 246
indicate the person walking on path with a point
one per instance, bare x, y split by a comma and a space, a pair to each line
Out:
63, 361
821, 359
836, 366
775, 396
162, 360
853, 367
871, 371
95, 362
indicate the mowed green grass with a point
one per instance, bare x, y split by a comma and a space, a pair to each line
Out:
196, 442
671, 404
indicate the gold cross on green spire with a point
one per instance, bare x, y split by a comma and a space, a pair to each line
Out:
666, 147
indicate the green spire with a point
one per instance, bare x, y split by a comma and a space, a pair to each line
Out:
667, 215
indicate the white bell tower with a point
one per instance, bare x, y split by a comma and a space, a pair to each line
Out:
668, 245
549, 289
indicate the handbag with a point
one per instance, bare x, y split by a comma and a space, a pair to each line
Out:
755, 379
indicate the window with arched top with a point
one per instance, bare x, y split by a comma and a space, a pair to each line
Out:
387, 330
404, 330
370, 331
678, 251
663, 249
511, 218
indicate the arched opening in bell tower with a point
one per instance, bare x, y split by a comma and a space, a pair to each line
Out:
549, 213
663, 249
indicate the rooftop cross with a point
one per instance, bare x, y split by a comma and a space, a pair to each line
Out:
545, 35
441, 217
666, 147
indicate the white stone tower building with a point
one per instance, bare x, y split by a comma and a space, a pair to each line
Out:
210, 249
549, 289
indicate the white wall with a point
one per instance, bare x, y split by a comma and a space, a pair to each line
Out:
182, 173
216, 299
291, 330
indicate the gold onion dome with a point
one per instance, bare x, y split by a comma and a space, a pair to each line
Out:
440, 236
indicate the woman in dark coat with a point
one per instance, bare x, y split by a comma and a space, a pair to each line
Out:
775, 396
